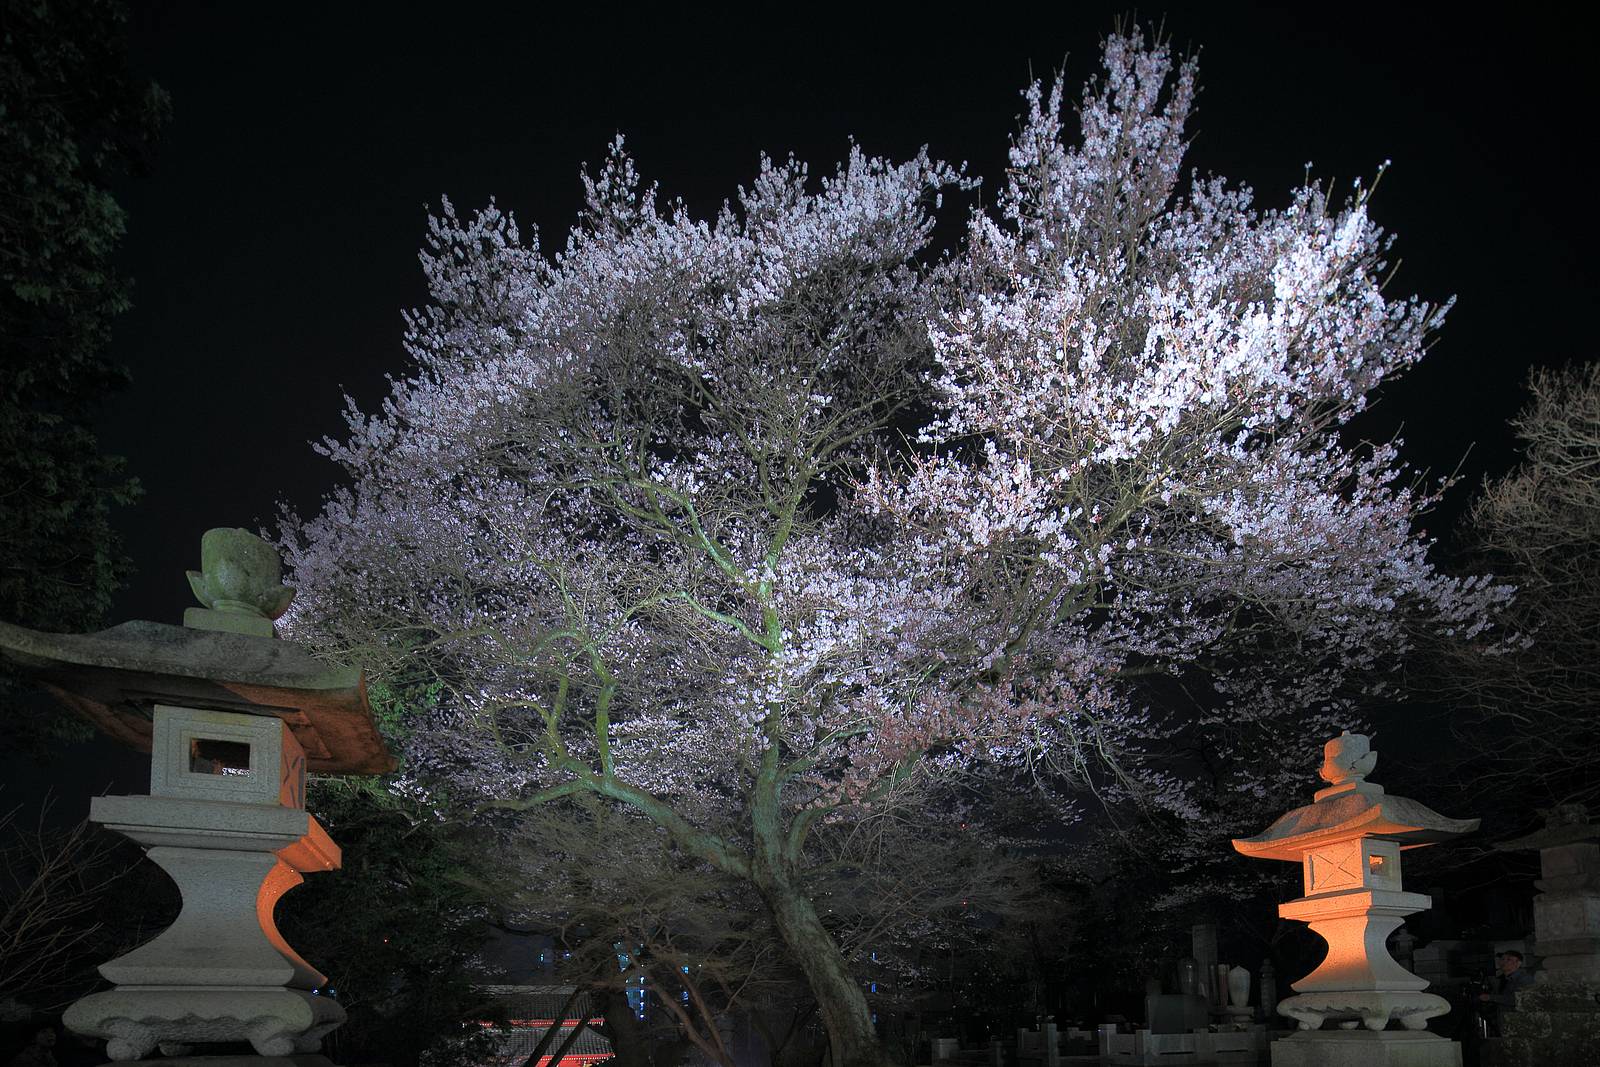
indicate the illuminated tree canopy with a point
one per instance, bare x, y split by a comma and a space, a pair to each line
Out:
764, 519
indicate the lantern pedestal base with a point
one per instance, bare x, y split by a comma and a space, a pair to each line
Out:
1365, 1048
1372, 1009
276, 1022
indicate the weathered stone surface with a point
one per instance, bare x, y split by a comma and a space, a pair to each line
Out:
233, 718
221, 971
1357, 923
1564, 824
195, 753
1555, 1024
113, 677
228, 622
293, 833
1350, 815
1373, 1010
1566, 913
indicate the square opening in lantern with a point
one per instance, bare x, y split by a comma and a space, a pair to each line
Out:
213, 755
204, 754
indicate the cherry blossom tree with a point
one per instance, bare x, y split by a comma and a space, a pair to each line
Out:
753, 523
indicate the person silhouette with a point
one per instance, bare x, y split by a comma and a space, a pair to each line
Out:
1510, 980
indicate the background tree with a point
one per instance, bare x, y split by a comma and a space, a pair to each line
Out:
53, 884
925, 899
645, 512
72, 118
1530, 721
631, 913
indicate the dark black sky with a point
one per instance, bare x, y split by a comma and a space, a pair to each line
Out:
274, 242
273, 245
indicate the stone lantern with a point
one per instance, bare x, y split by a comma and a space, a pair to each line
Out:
233, 719
1348, 843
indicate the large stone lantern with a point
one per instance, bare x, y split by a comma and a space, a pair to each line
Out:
233, 718
1348, 843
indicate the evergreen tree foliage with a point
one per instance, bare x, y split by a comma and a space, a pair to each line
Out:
72, 118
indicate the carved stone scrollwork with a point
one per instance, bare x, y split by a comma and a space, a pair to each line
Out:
276, 1022
1372, 1010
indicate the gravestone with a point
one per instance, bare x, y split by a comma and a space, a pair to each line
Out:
1203, 950
1175, 1013
1237, 1010
1269, 991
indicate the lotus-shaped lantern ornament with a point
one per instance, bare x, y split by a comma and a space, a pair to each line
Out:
240, 575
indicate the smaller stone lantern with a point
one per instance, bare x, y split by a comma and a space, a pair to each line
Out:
233, 719
1348, 843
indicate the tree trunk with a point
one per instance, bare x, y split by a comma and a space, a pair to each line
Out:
840, 1001
622, 1030
777, 1047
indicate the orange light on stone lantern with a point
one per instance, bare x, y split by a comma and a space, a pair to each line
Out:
1348, 843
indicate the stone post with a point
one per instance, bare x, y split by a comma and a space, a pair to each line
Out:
1203, 949
233, 719
1348, 843
1558, 1020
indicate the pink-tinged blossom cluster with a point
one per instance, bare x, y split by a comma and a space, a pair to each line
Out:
644, 515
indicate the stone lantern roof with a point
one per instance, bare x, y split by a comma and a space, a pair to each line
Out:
113, 677
226, 657
1351, 807
1564, 824
1353, 815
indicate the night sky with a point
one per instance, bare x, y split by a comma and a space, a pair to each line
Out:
273, 244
